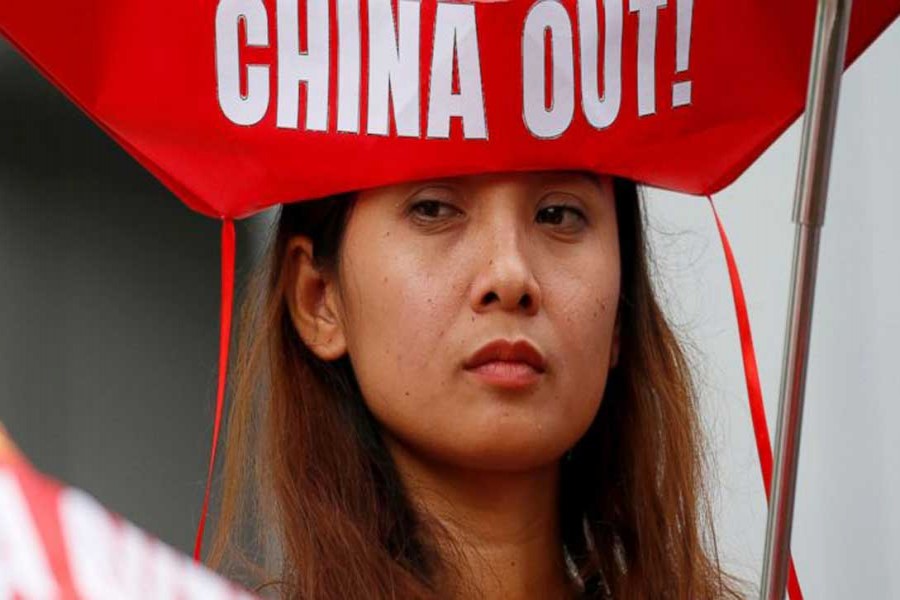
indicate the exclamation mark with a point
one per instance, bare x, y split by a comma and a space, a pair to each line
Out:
681, 90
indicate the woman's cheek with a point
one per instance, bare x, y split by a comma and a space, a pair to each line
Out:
585, 315
398, 325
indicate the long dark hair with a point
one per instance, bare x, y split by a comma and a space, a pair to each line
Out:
311, 500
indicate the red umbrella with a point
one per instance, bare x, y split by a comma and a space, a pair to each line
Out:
216, 99
237, 105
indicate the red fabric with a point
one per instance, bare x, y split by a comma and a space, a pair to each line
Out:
754, 389
228, 251
146, 72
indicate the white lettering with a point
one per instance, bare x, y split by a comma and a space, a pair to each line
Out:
681, 90
548, 16
600, 109
348, 66
310, 67
240, 109
456, 42
394, 67
646, 77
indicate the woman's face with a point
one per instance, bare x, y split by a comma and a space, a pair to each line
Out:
479, 313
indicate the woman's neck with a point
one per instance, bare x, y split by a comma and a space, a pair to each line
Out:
504, 526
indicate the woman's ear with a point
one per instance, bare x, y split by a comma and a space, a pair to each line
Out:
314, 302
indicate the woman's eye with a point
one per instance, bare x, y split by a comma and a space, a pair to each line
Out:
433, 210
560, 216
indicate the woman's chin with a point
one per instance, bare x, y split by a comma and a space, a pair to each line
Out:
508, 454
492, 436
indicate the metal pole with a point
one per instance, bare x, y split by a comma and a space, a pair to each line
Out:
826, 68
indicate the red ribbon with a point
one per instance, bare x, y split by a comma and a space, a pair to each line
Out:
754, 390
228, 245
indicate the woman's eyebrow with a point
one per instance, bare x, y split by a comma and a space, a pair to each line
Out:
575, 177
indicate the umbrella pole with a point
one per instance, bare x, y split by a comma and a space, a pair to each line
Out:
826, 68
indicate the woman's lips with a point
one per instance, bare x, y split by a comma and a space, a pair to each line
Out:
510, 375
507, 364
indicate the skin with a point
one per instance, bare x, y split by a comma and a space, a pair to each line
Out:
429, 273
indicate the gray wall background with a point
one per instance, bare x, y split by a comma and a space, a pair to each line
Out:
109, 312
846, 535
109, 317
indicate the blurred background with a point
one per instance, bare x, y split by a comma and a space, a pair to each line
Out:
109, 308
109, 311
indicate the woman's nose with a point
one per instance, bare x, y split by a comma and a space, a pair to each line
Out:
506, 280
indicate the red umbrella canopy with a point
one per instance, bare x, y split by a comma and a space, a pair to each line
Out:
237, 105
